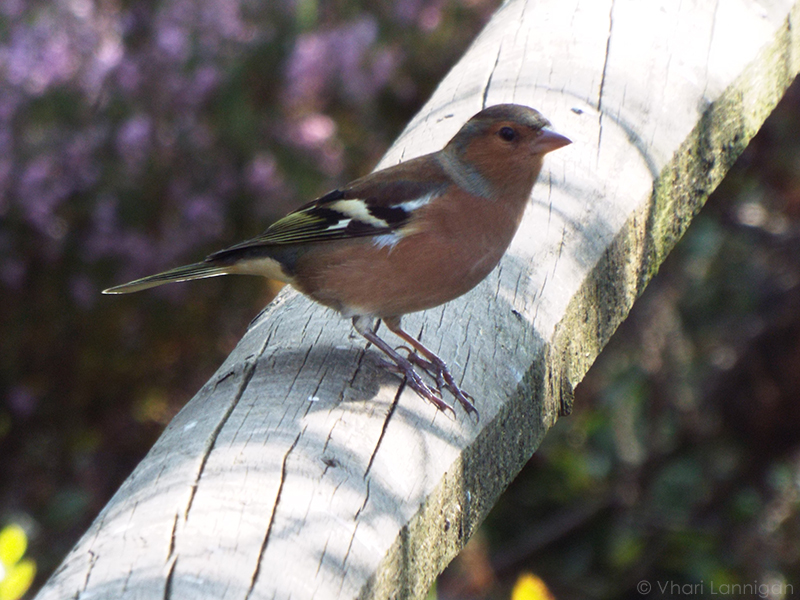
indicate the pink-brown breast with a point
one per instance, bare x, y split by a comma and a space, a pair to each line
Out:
454, 243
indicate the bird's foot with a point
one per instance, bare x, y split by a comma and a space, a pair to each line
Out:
415, 382
439, 372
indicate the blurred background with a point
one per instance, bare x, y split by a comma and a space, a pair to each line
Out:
140, 134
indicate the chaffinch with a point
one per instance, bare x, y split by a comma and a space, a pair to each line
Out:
403, 239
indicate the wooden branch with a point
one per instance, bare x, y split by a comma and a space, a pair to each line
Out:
298, 472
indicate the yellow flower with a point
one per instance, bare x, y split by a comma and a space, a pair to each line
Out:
530, 587
16, 573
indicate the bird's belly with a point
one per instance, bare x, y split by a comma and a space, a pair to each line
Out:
417, 273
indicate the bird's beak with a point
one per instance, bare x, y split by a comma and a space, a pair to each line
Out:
547, 141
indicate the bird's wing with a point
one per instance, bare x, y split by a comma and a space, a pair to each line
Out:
379, 204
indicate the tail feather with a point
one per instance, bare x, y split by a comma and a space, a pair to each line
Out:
200, 270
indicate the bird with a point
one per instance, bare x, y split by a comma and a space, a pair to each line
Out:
402, 239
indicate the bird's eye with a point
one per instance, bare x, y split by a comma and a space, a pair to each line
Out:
507, 134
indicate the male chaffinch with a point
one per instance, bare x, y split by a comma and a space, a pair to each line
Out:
403, 239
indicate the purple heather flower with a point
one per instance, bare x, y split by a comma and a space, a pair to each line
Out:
407, 11
173, 41
12, 9
129, 75
39, 57
205, 81
204, 217
314, 130
262, 174
134, 140
340, 56
41, 190
430, 17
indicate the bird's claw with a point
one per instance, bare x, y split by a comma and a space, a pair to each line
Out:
431, 364
415, 382
438, 370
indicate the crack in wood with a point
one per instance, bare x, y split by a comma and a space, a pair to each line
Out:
537, 301
349, 547
271, 523
249, 371
361, 356
128, 576
170, 573
561, 243
385, 425
230, 373
307, 354
522, 277
299, 370
330, 434
363, 504
522, 18
172, 536
92, 560
313, 397
261, 313
603, 78
441, 320
466, 364
491, 75
322, 556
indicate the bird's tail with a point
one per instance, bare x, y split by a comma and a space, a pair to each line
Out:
200, 270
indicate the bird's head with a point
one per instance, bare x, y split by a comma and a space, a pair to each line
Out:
505, 144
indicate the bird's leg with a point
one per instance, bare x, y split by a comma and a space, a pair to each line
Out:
434, 365
363, 325
426, 366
